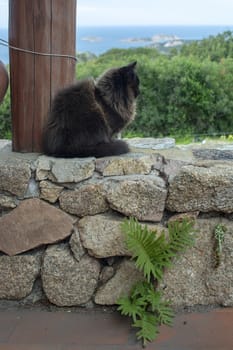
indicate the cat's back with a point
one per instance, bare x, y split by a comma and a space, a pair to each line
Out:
74, 96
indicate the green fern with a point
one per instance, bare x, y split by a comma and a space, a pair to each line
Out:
179, 236
147, 309
148, 250
133, 307
148, 328
152, 252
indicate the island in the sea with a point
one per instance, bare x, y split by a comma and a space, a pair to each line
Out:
92, 39
157, 40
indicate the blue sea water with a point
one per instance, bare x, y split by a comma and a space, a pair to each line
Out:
100, 39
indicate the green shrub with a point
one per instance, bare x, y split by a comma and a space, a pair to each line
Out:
5, 117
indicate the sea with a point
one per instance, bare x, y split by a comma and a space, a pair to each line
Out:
98, 40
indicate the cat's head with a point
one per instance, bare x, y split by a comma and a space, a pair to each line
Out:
122, 81
131, 77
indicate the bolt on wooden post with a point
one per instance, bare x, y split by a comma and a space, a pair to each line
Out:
45, 26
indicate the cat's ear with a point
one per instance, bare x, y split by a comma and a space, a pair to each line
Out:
132, 65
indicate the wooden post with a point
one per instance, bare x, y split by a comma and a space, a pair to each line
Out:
47, 26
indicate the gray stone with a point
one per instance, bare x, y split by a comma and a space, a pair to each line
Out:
128, 164
4, 144
14, 176
72, 170
119, 285
140, 196
32, 190
168, 167
86, 200
37, 295
76, 245
49, 191
106, 273
32, 224
18, 274
194, 279
152, 143
66, 281
62, 170
102, 236
7, 202
215, 154
204, 189
43, 167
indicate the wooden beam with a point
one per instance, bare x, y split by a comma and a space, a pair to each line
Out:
47, 26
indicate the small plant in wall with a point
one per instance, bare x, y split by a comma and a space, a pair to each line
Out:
219, 233
152, 252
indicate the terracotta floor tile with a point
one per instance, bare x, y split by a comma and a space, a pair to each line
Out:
41, 330
198, 331
29, 347
70, 328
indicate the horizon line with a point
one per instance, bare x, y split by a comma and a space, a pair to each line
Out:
149, 25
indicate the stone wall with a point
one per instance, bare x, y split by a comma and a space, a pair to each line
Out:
60, 236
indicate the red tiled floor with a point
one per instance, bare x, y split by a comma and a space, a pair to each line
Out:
42, 330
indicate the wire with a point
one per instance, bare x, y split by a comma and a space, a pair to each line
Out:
5, 43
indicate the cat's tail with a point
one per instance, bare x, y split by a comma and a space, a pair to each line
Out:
112, 148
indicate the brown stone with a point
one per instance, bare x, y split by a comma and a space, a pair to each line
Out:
32, 224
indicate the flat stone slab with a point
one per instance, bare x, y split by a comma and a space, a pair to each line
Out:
152, 143
214, 154
32, 224
4, 144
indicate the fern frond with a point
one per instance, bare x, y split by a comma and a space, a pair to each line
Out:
140, 289
180, 236
153, 298
165, 313
147, 249
133, 308
148, 325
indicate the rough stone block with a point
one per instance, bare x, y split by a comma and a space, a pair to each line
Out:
194, 278
86, 200
18, 274
120, 284
62, 170
129, 164
49, 191
204, 189
14, 176
139, 196
66, 281
102, 236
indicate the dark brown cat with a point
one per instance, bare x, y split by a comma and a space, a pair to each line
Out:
85, 117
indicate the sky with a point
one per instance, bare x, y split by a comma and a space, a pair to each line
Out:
147, 12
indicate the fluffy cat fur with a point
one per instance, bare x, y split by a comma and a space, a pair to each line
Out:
85, 117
